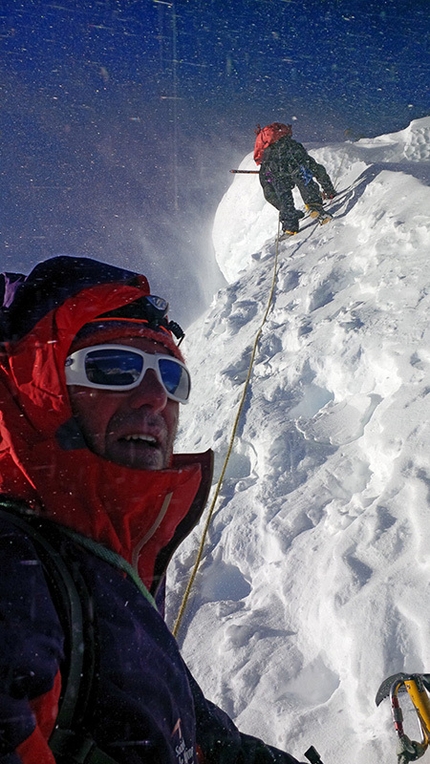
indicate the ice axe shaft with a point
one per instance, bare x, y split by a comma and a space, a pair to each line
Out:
246, 172
417, 687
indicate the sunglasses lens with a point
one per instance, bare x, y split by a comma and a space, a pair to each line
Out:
175, 378
113, 367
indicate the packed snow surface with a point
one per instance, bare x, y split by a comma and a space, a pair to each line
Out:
315, 579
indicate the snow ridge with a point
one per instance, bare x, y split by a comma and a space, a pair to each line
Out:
314, 584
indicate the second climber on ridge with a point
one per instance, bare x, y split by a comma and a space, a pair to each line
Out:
285, 163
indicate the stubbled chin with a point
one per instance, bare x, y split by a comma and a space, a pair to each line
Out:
136, 456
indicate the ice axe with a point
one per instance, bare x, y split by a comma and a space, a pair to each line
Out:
417, 686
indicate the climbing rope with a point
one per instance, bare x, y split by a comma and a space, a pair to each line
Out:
230, 446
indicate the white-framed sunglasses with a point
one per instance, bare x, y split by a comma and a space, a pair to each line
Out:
121, 368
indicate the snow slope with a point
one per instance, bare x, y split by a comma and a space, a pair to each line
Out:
315, 581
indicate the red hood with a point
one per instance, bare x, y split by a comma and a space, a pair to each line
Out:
134, 512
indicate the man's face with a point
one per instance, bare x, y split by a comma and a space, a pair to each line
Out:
134, 428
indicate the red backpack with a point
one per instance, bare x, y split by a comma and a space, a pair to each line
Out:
268, 135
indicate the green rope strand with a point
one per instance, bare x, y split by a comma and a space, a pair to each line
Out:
114, 559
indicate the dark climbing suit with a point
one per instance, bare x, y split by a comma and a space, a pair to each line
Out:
286, 164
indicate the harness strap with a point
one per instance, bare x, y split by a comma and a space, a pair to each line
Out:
70, 748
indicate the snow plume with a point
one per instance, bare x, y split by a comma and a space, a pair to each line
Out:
314, 584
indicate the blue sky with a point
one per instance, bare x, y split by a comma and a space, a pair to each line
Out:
121, 118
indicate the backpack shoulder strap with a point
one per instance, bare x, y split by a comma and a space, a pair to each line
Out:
68, 742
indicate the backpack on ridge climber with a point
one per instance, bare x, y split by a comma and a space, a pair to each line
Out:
268, 135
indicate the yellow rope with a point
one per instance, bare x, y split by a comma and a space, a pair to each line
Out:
229, 450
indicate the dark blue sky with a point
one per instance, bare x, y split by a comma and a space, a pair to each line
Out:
121, 118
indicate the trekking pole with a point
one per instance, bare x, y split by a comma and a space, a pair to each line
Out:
247, 172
